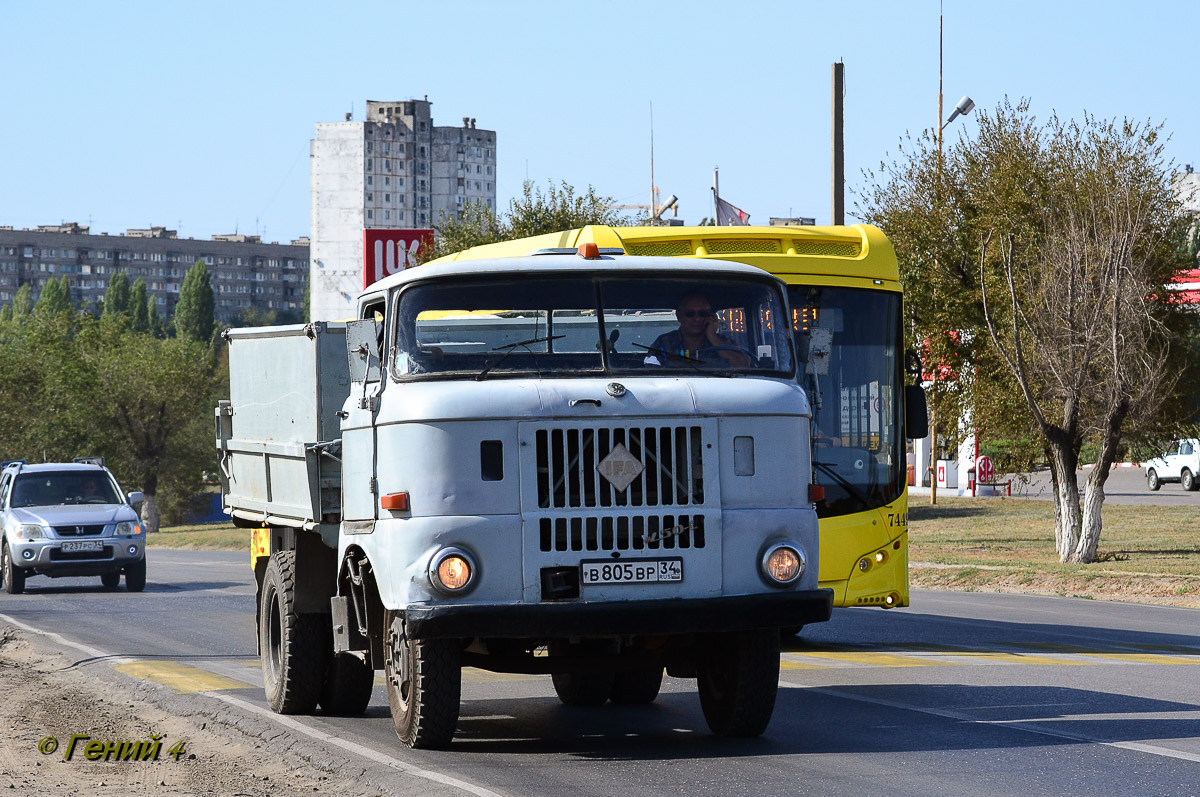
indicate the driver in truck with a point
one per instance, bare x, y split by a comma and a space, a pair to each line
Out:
696, 340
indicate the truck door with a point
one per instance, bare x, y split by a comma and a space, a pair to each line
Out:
364, 344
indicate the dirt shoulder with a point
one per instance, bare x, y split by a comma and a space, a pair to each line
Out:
48, 697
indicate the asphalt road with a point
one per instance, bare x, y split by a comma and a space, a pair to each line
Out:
962, 694
1123, 486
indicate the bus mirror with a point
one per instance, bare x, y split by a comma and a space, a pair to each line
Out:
916, 414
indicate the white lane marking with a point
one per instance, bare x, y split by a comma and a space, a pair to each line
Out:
279, 719
1022, 725
95, 653
352, 747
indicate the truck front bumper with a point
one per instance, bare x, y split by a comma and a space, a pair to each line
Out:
621, 618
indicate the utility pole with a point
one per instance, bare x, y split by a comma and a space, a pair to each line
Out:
839, 153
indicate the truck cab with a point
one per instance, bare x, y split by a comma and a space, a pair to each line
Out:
532, 475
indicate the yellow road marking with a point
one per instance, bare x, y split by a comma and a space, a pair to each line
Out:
787, 664
182, 678
870, 658
1146, 658
1015, 658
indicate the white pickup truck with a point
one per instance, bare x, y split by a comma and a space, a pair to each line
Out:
1180, 464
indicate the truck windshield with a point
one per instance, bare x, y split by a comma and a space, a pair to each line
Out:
572, 325
847, 341
49, 488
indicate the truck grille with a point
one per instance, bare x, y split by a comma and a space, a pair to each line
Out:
621, 533
79, 531
671, 457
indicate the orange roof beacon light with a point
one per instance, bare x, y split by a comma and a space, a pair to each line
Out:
589, 251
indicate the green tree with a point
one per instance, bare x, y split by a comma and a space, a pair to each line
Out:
139, 307
55, 298
116, 297
1047, 246
22, 303
533, 213
154, 321
194, 314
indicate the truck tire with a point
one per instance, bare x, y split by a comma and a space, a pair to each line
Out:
135, 576
738, 680
583, 688
295, 647
1152, 480
424, 685
110, 581
14, 577
348, 685
1187, 481
637, 688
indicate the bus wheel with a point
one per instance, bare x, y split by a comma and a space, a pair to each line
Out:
637, 688
295, 647
424, 685
348, 685
738, 679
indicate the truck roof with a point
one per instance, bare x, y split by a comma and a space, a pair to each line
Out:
543, 264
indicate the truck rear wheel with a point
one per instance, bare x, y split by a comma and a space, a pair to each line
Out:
637, 688
348, 685
738, 679
295, 647
424, 685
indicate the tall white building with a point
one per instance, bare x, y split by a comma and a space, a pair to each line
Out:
394, 170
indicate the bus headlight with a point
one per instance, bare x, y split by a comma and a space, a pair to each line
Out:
783, 564
452, 571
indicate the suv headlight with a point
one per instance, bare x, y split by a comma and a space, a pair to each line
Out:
128, 529
30, 531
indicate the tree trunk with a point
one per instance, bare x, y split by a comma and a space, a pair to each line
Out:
933, 448
1093, 499
150, 513
1067, 519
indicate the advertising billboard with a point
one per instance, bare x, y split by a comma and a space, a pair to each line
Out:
387, 252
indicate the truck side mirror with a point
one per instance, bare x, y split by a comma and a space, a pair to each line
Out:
362, 350
916, 413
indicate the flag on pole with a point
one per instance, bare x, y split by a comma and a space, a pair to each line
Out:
729, 214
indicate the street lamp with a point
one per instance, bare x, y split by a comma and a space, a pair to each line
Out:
963, 108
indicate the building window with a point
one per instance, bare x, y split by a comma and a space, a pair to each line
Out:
387, 181
387, 197
369, 180
387, 215
368, 163
370, 197
370, 215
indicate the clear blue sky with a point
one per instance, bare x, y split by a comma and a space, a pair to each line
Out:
199, 115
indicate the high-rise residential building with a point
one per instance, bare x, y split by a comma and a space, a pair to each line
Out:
392, 170
246, 274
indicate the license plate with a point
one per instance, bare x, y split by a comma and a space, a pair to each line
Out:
632, 571
83, 545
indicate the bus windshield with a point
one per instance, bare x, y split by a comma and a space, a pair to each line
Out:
568, 324
847, 348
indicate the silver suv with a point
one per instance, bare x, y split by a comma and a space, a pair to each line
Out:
69, 519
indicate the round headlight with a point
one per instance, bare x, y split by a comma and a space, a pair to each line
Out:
452, 571
783, 564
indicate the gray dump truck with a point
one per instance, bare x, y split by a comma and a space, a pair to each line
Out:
508, 465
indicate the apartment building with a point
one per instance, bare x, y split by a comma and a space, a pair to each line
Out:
393, 170
246, 273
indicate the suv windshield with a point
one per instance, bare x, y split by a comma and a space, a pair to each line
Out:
49, 488
583, 324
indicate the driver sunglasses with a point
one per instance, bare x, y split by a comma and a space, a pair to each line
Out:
694, 313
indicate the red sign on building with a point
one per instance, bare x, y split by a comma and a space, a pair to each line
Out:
387, 252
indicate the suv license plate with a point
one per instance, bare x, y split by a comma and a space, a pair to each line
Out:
632, 571
83, 545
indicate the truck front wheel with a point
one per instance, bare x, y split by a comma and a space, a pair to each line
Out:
738, 679
295, 647
637, 688
424, 685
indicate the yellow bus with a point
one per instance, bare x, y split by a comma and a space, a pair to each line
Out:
844, 290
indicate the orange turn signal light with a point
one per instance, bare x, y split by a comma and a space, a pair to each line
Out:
396, 502
816, 492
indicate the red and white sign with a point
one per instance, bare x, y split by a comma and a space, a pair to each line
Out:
985, 472
386, 252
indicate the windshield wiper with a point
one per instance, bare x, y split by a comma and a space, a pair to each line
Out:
509, 348
829, 469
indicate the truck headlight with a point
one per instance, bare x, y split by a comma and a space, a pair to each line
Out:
452, 571
128, 529
30, 531
783, 564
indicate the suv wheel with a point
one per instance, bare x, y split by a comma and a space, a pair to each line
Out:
1187, 481
1152, 480
135, 576
14, 577
110, 581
